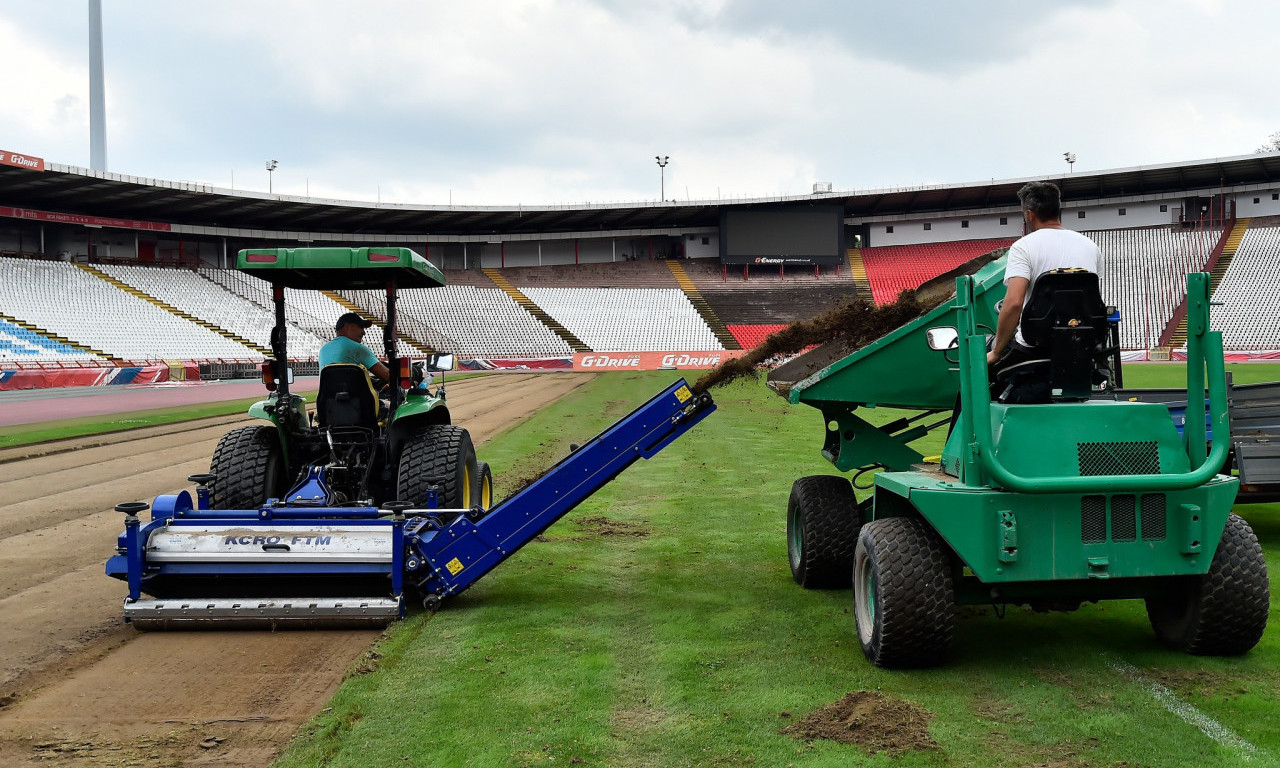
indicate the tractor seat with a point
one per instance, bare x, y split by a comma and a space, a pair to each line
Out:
1065, 324
347, 398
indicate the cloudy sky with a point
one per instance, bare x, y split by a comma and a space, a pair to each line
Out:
567, 101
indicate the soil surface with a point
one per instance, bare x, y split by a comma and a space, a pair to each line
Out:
871, 720
78, 687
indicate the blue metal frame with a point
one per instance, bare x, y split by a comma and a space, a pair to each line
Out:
441, 558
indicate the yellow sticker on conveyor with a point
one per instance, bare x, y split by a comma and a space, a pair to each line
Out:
454, 566
683, 394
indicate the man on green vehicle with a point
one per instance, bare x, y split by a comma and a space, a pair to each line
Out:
346, 346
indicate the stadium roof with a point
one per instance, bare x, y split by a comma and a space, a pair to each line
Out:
79, 191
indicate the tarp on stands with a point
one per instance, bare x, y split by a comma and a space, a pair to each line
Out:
498, 364
43, 378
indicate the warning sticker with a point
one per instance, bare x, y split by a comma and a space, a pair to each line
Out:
454, 566
683, 394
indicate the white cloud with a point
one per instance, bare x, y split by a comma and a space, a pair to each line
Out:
552, 101
45, 108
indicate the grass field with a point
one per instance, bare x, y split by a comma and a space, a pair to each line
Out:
658, 625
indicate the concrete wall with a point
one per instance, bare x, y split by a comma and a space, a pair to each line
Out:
1268, 203
944, 230
989, 226
702, 246
1121, 216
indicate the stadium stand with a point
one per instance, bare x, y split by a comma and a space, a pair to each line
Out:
777, 304
1144, 274
373, 305
202, 298
18, 344
767, 297
618, 274
1249, 314
627, 319
484, 322
259, 292
710, 275
59, 297
473, 277
895, 268
750, 336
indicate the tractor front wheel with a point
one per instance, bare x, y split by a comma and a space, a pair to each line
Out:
903, 594
248, 467
440, 455
1223, 612
822, 530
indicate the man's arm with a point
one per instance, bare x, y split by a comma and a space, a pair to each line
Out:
1010, 314
373, 365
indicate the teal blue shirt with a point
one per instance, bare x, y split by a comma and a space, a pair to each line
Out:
344, 350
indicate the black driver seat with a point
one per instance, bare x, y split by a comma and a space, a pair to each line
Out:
1065, 323
347, 398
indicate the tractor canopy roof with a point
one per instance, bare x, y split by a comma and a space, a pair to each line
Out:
325, 269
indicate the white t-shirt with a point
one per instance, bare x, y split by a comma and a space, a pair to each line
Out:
1046, 250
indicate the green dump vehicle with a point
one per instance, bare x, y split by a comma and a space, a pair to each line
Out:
1083, 498
395, 444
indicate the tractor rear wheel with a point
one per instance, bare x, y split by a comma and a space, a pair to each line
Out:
1223, 612
482, 490
440, 455
248, 467
903, 594
822, 531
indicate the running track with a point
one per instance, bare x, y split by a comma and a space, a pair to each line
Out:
30, 406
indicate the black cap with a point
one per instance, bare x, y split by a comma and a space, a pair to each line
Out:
351, 317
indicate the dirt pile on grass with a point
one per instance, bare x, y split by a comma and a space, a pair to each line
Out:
853, 324
603, 526
871, 720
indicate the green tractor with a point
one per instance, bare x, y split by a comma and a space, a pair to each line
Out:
355, 447
1084, 497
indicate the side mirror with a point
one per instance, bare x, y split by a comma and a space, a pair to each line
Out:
943, 338
440, 362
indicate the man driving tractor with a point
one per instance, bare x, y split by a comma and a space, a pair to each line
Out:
346, 346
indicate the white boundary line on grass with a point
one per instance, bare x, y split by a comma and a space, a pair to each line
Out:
1189, 714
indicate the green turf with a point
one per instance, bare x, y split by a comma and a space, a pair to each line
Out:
680, 639
1174, 375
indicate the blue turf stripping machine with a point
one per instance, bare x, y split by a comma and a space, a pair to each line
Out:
291, 563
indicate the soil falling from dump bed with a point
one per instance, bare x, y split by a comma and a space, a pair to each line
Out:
854, 324
871, 720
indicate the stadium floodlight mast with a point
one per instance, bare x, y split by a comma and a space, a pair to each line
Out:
271, 167
662, 174
1070, 157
